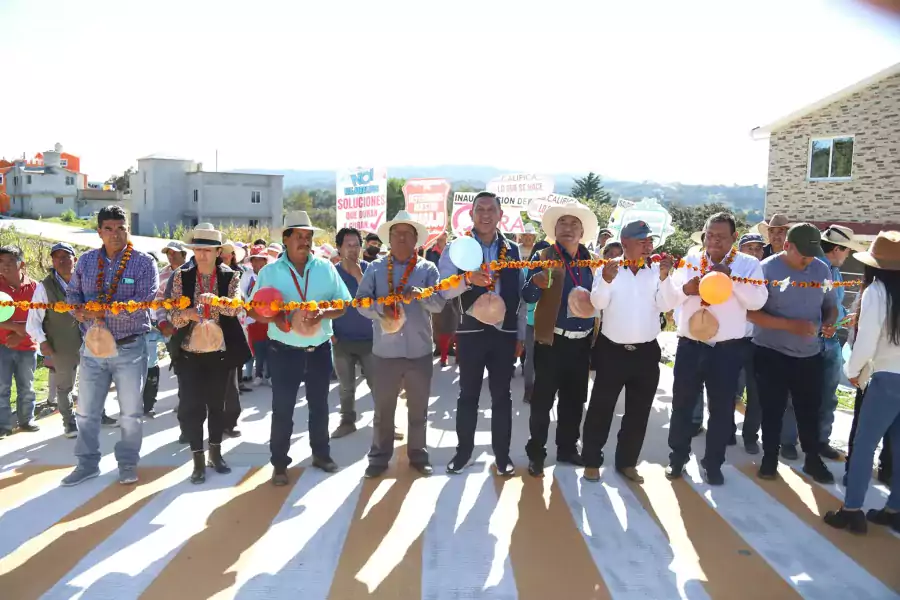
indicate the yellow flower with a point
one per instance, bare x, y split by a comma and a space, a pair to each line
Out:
184, 302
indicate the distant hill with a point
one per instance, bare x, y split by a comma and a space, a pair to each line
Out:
745, 198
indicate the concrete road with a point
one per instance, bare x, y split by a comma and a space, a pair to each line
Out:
75, 235
340, 537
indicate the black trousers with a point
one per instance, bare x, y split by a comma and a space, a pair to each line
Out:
202, 379
561, 368
885, 462
778, 375
635, 368
151, 388
494, 350
717, 367
232, 398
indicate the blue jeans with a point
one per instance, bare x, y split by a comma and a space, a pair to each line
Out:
128, 370
833, 363
880, 414
261, 356
153, 339
290, 367
21, 365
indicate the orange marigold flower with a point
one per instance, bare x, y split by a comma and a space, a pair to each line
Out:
184, 302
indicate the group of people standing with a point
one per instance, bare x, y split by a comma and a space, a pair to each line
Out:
777, 342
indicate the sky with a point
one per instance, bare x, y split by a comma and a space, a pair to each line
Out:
639, 90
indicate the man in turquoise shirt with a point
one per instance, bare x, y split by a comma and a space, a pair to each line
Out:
300, 276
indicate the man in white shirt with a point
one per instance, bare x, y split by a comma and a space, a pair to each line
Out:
716, 361
57, 333
628, 354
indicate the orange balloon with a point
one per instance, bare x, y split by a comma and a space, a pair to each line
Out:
715, 288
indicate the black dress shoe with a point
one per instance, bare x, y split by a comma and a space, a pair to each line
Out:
375, 471
713, 475
674, 471
570, 458
769, 467
325, 464
423, 468
815, 468
29, 426
854, 520
536, 467
505, 468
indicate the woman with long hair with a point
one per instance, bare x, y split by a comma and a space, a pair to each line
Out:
877, 344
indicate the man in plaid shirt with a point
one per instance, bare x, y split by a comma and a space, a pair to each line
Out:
139, 281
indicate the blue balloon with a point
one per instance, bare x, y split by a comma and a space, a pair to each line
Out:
466, 254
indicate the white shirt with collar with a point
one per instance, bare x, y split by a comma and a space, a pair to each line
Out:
632, 303
731, 314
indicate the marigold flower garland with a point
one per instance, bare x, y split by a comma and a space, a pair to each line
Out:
443, 285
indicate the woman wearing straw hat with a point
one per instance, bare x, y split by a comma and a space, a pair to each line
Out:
878, 342
205, 356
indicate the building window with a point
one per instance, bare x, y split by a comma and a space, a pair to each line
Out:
145, 197
1, 178
70, 181
28, 179
831, 158
254, 222
255, 197
144, 174
64, 162
15, 180
59, 200
196, 195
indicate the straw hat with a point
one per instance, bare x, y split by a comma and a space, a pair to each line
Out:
297, 219
238, 251
401, 218
203, 237
575, 209
844, 237
884, 253
777, 220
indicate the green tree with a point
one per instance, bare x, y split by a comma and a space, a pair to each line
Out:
590, 188
395, 200
298, 200
122, 182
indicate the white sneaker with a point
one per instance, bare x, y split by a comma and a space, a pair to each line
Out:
257, 381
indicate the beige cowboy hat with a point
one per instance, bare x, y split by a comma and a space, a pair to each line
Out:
238, 251
401, 218
697, 238
575, 209
777, 220
884, 253
297, 219
203, 236
844, 237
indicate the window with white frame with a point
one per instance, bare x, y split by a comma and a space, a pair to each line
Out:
59, 200
254, 223
196, 195
64, 162
255, 197
831, 158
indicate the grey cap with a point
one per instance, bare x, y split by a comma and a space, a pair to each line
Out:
638, 230
62, 246
751, 238
174, 245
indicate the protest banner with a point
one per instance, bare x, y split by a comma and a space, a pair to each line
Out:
426, 202
517, 190
538, 206
461, 220
361, 198
648, 210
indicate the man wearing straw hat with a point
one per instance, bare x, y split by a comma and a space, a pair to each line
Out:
402, 341
115, 272
300, 344
562, 350
838, 243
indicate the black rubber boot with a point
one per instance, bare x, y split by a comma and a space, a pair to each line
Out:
215, 459
199, 474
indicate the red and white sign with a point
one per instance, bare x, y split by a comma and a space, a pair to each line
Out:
461, 218
517, 190
426, 202
538, 206
361, 198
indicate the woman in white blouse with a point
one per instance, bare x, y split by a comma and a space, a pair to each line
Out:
876, 350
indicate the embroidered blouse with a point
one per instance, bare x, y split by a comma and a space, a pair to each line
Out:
180, 317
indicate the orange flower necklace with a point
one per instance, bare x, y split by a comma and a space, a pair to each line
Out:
704, 261
404, 279
107, 296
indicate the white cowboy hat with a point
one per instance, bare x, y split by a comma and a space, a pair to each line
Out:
203, 237
403, 217
777, 220
844, 237
238, 251
297, 219
575, 209
529, 229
